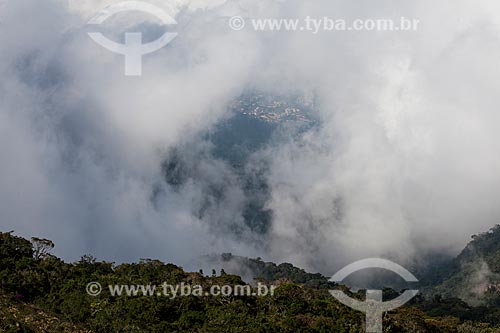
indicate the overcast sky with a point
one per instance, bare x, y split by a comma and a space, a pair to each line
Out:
406, 160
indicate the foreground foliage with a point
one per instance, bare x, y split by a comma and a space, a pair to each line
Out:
41, 293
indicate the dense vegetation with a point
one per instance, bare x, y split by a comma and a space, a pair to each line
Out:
41, 293
472, 273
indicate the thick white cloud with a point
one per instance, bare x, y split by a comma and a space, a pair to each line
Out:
405, 160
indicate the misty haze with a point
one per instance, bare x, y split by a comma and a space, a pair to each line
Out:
253, 143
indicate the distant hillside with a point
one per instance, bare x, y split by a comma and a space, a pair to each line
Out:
256, 268
474, 275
